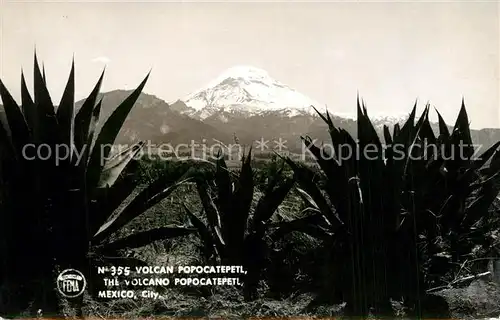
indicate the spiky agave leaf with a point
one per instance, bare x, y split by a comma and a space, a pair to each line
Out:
224, 191
28, 105
235, 222
19, 130
65, 110
42, 95
443, 127
340, 170
426, 132
108, 134
109, 199
83, 117
211, 245
472, 172
236, 236
366, 131
462, 126
7, 149
305, 176
405, 135
314, 225
272, 199
94, 119
387, 135
147, 198
117, 164
495, 162
308, 200
46, 123
43, 74
479, 208
490, 153
211, 210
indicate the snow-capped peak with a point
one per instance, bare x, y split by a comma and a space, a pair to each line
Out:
247, 89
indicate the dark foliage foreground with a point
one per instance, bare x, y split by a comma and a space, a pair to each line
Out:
397, 224
58, 210
390, 225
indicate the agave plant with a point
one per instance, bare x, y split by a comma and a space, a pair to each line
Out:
57, 210
453, 195
234, 232
375, 207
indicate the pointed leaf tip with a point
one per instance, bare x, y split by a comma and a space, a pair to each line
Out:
35, 57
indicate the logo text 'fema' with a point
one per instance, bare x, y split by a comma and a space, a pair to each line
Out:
71, 283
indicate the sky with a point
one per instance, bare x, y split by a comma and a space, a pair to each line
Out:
390, 52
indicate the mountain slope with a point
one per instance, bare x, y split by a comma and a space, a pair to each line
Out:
152, 119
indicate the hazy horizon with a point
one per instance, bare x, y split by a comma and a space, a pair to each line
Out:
392, 53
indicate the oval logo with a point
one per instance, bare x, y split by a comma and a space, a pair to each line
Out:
71, 283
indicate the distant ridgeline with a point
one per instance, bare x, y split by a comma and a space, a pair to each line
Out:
484, 137
154, 120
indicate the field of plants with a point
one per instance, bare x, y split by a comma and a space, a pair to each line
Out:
364, 236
